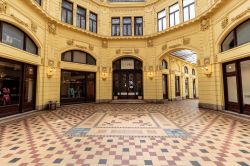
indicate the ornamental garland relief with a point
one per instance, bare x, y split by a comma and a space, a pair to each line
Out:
204, 24
224, 22
52, 27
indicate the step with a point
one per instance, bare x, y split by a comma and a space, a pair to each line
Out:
125, 101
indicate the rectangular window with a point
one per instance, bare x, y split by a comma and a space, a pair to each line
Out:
81, 17
174, 15
162, 23
39, 2
115, 26
67, 12
93, 22
188, 9
127, 26
138, 26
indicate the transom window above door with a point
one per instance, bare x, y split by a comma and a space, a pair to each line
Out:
78, 57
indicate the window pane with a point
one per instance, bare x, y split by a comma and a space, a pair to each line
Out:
91, 60
245, 70
79, 57
92, 16
177, 18
12, 36
187, 2
232, 89
171, 21
160, 25
228, 42
67, 56
162, 14
164, 23
192, 11
174, 8
67, 5
138, 20
115, 21
243, 33
30, 46
186, 14
230, 68
81, 11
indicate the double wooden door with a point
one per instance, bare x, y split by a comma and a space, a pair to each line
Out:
237, 86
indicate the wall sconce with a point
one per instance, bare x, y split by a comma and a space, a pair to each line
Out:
207, 70
104, 73
51, 71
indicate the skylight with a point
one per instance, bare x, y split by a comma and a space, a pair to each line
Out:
187, 55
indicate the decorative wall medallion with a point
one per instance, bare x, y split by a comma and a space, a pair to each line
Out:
33, 26
51, 63
91, 47
186, 41
150, 43
104, 44
52, 27
19, 20
164, 47
224, 22
118, 51
3, 6
206, 61
70, 42
204, 24
79, 46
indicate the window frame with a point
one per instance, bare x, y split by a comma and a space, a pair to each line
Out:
186, 70
26, 36
126, 25
67, 10
91, 21
234, 31
72, 57
166, 64
81, 16
188, 6
119, 25
162, 20
39, 2
174, 13
136, 24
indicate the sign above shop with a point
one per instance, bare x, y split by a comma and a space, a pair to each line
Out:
127, 64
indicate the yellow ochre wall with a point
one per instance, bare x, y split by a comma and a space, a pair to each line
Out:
203, 34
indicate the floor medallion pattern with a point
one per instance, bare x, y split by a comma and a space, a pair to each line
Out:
140, 124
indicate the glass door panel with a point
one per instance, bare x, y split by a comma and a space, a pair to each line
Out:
90, 86
245, 78
165, 86
123, 85
131, 85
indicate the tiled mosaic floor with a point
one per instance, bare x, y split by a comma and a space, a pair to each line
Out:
176, 133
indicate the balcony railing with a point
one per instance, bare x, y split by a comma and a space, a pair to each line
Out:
126, 0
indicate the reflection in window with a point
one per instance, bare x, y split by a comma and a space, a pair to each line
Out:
162, 23
240, 35
115, 26
78, 57
67, 12
188, 9
127, 26
93, 22
17, 38
138, 26
174, 15
81, 17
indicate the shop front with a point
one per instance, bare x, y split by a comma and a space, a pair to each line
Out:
17, 87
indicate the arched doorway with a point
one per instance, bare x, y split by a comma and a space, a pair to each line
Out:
127, 79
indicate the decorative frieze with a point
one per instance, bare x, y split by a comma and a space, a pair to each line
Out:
241, 14
70, 42
33, 26
3, 6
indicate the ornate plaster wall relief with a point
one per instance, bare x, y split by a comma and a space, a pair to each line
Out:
127, 51
206, 61
224, 22
91, 47
104, 44
175, 43
186, 41
33, 26
118, 51
3, 6
80, 46
241, 15
204, 24
52, 27
164, 47
150, 43
19, 20
70, 42
136, 51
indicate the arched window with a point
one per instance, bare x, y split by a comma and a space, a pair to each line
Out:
193, 72
186, 70
238, 36
78, 57
15, 37
164, 64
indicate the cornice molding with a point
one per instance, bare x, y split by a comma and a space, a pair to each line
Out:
198, 18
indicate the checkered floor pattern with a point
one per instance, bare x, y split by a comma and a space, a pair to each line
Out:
41, 139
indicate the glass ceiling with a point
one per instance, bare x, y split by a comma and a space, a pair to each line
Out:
187, 55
